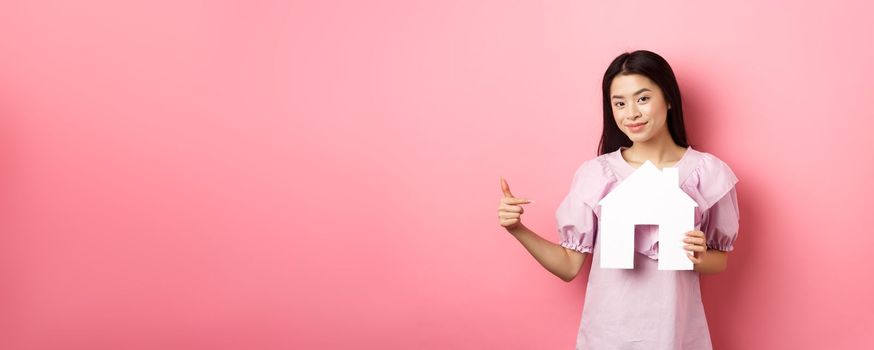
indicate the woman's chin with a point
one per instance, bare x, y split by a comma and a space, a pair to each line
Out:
637, 137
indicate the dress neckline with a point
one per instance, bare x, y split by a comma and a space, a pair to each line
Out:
676, 165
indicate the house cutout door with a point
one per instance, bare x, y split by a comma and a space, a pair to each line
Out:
642, 240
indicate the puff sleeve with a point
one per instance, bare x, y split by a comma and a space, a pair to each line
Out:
721, 220
575, 218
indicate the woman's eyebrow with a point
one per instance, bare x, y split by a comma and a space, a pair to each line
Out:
638, 91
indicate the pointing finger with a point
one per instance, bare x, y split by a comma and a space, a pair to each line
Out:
514, 201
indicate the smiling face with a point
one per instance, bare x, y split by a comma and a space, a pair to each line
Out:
639, 107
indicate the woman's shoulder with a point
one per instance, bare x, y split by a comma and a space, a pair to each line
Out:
593, 179
596, 167
709, 165
710, 178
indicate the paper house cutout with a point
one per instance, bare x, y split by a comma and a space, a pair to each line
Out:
648, 196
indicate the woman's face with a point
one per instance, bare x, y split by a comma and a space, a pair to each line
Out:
639, 107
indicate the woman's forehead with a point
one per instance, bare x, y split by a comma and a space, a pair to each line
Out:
629, 85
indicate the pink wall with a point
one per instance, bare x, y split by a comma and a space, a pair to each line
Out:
259, 175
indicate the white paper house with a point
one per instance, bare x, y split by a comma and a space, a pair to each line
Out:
648, 196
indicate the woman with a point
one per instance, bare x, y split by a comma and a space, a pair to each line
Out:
643, 307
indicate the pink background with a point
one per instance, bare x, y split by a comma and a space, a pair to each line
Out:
265, 175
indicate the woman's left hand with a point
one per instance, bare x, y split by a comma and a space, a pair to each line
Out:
695, 243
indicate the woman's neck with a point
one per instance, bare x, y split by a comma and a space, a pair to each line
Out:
657, 150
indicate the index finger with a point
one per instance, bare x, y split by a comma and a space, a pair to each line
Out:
510, 200
695, 233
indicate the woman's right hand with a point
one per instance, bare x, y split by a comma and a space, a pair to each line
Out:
510, 211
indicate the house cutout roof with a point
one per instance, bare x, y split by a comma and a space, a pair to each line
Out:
649, 185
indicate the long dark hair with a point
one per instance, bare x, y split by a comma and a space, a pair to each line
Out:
657, 69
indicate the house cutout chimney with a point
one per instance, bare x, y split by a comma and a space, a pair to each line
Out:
648, 196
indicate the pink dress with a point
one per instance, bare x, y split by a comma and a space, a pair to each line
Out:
646, 308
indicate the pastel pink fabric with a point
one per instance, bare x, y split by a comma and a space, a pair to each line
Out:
646, 308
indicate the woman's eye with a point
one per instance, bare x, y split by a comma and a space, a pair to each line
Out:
617, 104
645, 97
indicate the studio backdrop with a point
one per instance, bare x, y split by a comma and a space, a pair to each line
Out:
325, 174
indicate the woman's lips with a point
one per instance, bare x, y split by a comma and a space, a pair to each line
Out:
637, 127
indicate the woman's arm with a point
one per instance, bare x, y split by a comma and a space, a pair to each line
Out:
560, 261
712, 261
704, 260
